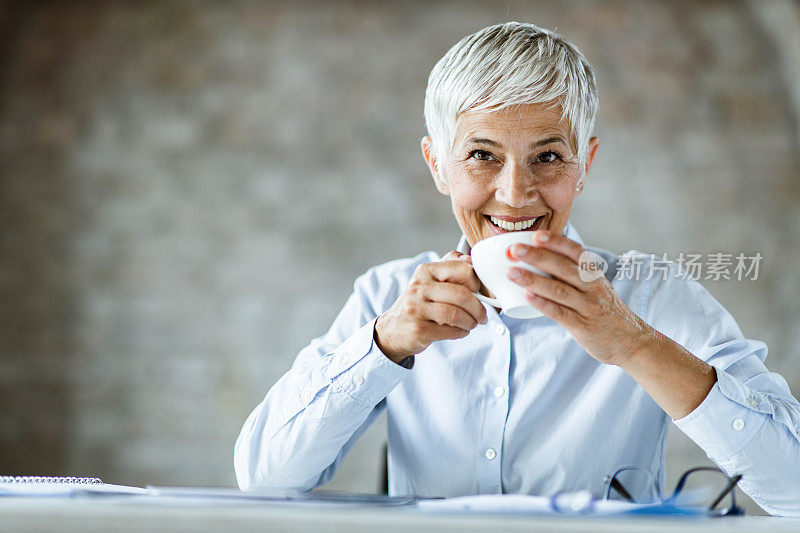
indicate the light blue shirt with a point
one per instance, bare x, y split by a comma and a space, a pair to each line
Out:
518, 406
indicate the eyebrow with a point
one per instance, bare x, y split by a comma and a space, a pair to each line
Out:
495, 144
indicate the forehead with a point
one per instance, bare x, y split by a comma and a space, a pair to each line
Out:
525, 120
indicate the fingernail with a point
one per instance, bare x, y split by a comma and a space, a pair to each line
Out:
520, 250
514, 274
542, 236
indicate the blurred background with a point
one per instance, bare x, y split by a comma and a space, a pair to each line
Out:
189, 189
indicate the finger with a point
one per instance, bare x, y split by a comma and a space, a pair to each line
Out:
459, 295
448, 315
553, 263
558, 243
552, 289
455, 272
447, 332
456, 256
450, 256
559, 313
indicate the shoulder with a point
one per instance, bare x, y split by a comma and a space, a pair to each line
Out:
668, 295
398, 269
674, 301
654, 284
383, 283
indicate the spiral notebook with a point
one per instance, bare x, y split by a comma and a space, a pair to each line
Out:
61, 486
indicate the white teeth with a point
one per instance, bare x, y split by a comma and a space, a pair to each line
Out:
513, 226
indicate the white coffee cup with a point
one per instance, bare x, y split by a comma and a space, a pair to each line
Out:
491, 264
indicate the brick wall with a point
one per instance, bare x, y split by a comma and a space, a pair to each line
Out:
189, 189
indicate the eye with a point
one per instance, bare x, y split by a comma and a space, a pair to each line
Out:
480, 155
548, 157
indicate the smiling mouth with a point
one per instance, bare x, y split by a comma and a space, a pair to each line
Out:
525, 225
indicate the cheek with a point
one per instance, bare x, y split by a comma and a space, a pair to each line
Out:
558, 198
469, 194
559, 192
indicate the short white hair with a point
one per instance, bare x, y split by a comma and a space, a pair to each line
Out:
506, 65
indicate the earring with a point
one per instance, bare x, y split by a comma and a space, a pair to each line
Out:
579, 187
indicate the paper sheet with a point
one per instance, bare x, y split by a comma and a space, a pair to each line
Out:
571, 504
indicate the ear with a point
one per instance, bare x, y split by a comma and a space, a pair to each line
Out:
594, 143
427, 153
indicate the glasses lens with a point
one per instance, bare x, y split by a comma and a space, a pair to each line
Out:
637, 483
702, 488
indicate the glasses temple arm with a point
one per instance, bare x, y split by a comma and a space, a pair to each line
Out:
731, 484
616, 485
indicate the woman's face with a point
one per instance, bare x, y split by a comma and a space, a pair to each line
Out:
517, 165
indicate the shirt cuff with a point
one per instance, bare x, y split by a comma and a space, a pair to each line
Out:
361, 370
727, 419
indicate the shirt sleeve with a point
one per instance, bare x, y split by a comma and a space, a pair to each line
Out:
749, 422
299, 435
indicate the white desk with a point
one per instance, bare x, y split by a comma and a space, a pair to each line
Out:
144, 514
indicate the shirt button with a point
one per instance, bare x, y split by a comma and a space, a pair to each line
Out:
500, 330
491, 454
752, 402
499, 392
358, 380
738, 424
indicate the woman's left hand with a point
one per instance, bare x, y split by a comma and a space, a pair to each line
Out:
590, 309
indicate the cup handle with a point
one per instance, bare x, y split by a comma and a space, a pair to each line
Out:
485, 299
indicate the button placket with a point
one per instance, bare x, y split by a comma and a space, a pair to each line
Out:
496, 409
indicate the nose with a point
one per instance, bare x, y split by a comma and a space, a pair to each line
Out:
516, 186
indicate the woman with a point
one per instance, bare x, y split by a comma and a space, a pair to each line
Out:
481, 403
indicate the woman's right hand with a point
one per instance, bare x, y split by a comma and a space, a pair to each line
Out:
437, 304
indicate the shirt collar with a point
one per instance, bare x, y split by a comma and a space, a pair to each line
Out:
569, 232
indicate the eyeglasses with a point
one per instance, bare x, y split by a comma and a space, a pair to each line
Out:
704, 483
